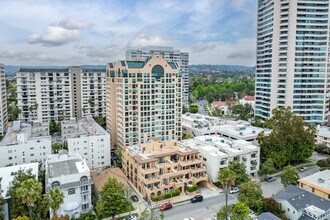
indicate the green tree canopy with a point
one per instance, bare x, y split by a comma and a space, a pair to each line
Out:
244, 112
240, 211
227, 178
2, 202
56, 198
251, 194
289, 176
112, 200
270, 205
267, 168
240, 170
291, 140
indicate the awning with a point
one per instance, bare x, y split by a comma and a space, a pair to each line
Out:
71, 206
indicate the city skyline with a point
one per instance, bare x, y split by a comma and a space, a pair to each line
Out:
213, 32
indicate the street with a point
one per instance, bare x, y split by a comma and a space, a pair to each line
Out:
201, 104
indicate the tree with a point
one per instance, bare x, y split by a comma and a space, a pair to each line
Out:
251, 194
112, 200
56, 147
324, 164
21, 218
240, 211
151, 215
267, 168
289, 176
56, 198
2, 202
52, 127
322, 148
186, 137
291, 140
227, 178
244, 112
270, 205
119, 157
240, 171
193, 109
29, 193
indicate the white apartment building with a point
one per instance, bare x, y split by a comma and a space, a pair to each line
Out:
218, 152
25, 143
144, 100
7, 175
3, 102
169, 54
70, 174
292, 58
89, 139
198, 125
323, 135
47, 94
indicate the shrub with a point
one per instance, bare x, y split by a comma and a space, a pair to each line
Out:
324, 164
165, 195
322, 148
192, 188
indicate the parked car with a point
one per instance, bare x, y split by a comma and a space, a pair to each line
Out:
134, 198
166, 206
270, 178
303, 169
233, 190
197, 198
132, 217
189, 218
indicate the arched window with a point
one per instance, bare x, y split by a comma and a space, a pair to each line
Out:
157, 72
56, 184
71, 191
84, 180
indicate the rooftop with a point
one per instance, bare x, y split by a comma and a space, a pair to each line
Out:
7, 175
320, 180
21, 132
83, 127
102, 176
65, 164
267, 216
249, 98
323, 131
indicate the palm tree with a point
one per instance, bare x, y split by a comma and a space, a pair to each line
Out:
29, 192
56, 198
227, 178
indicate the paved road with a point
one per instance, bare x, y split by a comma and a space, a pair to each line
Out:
201, 210
201, 109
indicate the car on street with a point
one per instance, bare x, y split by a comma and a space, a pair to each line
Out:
132, 217
233, 190
197, 198
270, 178
189, 218
134, 198
303, 169
166, 206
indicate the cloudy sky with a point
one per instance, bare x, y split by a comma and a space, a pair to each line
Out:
70, 32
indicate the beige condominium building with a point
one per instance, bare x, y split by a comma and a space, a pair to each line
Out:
159, 167
3, 102
144, 100
47, 94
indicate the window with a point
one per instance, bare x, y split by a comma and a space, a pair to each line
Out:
288, 210
71, 191
56, 184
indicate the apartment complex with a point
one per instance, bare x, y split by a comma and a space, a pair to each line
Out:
162, 166
171, 55
323, 135
218, 152
71, 175
47, 94
3, 102
7, 175
317, 183
25, 143
144, 100
292, 58
89, 139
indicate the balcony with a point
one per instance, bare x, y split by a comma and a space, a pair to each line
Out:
190, 162
148, 170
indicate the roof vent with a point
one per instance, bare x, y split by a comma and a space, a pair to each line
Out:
321, 180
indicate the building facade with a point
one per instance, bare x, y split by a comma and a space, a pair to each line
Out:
292, 58
144, 100
3, 102
25, 143
47, 94
317, 183
71, 175
159, 167
323, 135
169, 54
89, 139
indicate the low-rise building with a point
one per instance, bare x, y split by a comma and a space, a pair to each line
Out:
317, 183
159, 167
25, 143
302, 205
89, 139
198, 125
71, 175
7, 175
223, 108
218, 152
248, 100
323, 135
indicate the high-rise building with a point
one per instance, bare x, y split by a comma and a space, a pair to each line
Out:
169, 54
3, 102
144, 100
60, 93
292, 58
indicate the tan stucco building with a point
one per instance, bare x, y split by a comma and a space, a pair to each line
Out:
162, 166
317, 183
144, 100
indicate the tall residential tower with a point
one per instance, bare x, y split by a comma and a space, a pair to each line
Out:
3, 102
292, 58
169, 54
144, 100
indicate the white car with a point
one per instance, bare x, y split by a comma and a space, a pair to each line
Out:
188, 219
303, 169
234, 190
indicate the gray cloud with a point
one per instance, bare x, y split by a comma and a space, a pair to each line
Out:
73, 24
242, 54
100, 52
27, 56
143, 40
203, 46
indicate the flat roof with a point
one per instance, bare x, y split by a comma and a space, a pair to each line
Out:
102, 176
320, 180
323, 131
7, 175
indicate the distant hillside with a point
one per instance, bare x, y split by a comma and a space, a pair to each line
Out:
11, 70
203, 68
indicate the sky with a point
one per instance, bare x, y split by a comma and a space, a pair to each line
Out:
70, 32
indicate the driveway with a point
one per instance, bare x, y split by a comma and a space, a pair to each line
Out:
207, 193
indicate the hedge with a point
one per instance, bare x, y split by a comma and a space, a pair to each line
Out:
165, 195
192, 188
